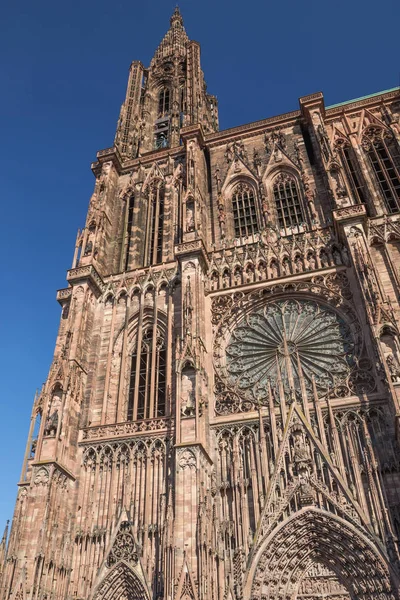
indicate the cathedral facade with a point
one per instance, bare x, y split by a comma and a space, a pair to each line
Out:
221, 417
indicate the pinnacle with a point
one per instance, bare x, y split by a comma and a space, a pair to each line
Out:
176, 18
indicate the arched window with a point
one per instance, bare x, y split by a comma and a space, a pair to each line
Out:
162, 124
155, 223
287, 201
351, 170
128, 239
147, 384
377, 144
163, 102
244, 211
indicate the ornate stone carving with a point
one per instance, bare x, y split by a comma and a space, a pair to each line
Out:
104, 432
124, 547
188, 405
288, 331
187, 459
281, 567
41, 477
273, 257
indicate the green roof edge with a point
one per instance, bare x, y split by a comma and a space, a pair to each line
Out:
363, 97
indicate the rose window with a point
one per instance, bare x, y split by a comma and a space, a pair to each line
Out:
284, 339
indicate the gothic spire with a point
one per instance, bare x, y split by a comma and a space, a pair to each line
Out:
175, 40
176, 19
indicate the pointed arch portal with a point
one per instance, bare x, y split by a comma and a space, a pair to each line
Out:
316, 544
121, 583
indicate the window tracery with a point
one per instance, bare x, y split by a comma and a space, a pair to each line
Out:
155, 223
244, 210
285, 336
351, 170
147, 383
288, 201
163, 102
378, 144
129, 232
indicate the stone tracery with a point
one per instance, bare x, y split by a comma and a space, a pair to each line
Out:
121, 582
314, 537
285, 340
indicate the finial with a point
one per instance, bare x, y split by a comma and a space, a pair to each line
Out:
176, 18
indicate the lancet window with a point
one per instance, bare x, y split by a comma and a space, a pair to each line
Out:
162, 125
244, 210
163, 102
378, 145
147, 383
288, 201
351, 170
155, 223
131, 206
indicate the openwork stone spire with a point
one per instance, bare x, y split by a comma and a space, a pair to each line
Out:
175, 40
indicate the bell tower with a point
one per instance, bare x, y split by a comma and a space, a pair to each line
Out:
168, 95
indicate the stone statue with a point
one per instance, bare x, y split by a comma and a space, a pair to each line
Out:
301, 453
191, 172
285, 266
188, 407
311, 262
229, 153
262, 269
274, 269
88, 248
393, 367
51, 424
189, 218
33, 448
324, 259
337, 257
298, 264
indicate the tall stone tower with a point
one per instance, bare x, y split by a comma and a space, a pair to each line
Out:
221, 417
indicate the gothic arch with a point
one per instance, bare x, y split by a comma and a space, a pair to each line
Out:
273, 171
121, 582
133, 325
285, 195
380, 147
230, 184
125, 344
154, 177
315, 536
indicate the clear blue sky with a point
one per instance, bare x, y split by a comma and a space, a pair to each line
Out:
64, 69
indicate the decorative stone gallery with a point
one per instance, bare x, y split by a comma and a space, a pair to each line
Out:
220, 420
